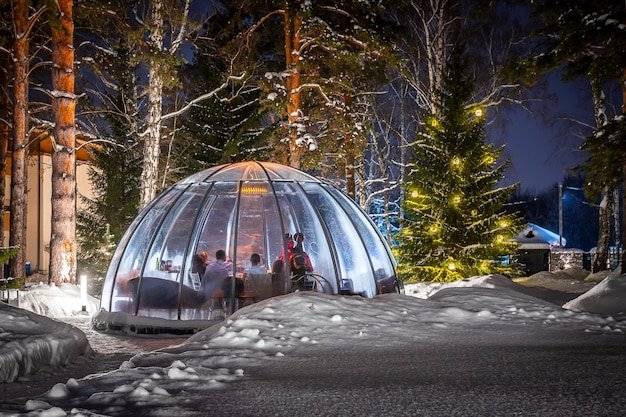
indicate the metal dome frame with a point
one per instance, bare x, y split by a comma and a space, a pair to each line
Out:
243, 208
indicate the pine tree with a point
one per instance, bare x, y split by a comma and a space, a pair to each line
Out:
5, 114
23, 24
229, 126
454, 225
115, 179
63, 201
115, 176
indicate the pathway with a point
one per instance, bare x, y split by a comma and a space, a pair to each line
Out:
110, 350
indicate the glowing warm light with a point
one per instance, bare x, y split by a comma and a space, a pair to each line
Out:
456, 160
415, 194
503, 224
254, 188
478, 112
83, 292
451, 266
456, 199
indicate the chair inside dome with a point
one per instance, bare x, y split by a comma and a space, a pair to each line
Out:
245, 209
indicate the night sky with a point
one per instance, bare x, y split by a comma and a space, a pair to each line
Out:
543, 144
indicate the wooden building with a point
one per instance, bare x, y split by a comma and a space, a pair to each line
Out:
39, 194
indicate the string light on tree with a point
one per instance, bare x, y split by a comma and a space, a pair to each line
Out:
461, 232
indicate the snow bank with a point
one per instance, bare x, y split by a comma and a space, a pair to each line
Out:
29, 342
53, 301
607, 298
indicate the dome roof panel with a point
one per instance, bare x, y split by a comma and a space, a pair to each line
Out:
250, 171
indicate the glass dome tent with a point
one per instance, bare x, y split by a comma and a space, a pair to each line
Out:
243, 208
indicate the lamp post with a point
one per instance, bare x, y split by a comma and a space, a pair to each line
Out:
561, 209
83, 292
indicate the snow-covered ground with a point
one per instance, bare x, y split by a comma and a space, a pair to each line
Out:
282, 331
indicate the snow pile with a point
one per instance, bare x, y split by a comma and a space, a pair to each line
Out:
52, 301
608, 297
29, 342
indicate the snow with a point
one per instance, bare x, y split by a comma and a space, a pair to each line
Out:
283, 329
606, 298
63, 94
52, 301
29, 341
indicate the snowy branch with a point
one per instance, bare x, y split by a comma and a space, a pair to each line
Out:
373, 194
40, 134
203, 97
58, 94
254, 27
38, 65
315, 87
305, 45
31, 22
92, 141
337, 10
181, 32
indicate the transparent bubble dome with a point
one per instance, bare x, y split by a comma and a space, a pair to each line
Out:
243, 209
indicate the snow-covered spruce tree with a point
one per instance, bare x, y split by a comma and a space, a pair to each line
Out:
454, 225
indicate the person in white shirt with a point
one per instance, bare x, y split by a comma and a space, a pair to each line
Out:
255, 268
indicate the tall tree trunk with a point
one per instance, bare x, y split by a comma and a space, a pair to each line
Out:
360, 196
5, 132
63, 227
604, 212
350, 175
387, 218
617, 236
19, 158
152, 144
623, 260
294, 105
350, 171
604, 233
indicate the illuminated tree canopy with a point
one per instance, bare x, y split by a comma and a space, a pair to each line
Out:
454, 226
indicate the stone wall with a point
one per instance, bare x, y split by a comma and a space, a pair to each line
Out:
561, 258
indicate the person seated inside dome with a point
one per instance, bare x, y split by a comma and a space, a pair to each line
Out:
300, 263
278, 277
298, 249
198, 265
255, 265
216, 282
290, 244
198, 268
214, 276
